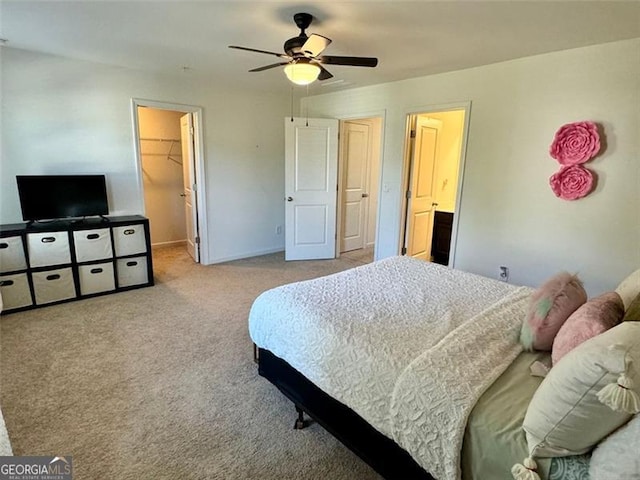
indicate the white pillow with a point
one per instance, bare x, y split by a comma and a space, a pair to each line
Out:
629, 288
565, 416
617, 455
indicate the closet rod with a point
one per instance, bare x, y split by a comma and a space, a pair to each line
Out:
161, 154
160, 139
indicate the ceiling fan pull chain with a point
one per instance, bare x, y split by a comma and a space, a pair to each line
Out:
307, 105
292, 103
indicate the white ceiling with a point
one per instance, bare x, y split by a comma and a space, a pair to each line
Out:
409, 38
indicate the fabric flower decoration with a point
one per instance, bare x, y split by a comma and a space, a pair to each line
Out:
575, 143
571, 183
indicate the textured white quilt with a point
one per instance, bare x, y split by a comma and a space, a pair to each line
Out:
408, 345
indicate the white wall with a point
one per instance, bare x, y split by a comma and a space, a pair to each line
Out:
62, 116
508, 214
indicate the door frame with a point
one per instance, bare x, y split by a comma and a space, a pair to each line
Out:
198, 140
406, 169
381, 114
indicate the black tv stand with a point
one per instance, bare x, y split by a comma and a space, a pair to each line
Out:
68, 222
41, 223
85, 220
45, 263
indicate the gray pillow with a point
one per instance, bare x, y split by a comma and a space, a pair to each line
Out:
617, 455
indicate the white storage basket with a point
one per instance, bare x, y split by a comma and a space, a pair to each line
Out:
48, 248
53, 285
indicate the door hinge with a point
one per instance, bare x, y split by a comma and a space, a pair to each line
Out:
194, 187
408, 194
403, 251
197, 240
191, 131
413, 134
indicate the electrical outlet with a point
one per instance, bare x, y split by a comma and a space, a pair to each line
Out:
279, 230
504, 274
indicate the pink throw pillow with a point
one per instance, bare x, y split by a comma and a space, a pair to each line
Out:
593, 318
549, 308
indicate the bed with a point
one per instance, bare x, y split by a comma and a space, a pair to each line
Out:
404, 361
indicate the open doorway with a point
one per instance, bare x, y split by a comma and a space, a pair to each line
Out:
358, 183
433, 165
170, 165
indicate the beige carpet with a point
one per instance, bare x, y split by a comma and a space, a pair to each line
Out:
159, 383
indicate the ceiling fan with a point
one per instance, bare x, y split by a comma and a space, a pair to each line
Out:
302, 61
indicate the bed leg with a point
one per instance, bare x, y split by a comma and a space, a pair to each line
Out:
300, 421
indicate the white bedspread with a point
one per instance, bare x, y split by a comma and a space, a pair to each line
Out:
383, 340
435, 394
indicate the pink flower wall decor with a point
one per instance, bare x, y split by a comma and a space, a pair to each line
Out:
575, 143
572, 182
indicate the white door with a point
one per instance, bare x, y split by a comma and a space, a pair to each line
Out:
422, 185
189, 182
355, 177
311, 182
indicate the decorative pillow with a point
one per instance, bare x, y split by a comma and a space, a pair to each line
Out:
616, 456
633, 311
573, 408
590, 319
549, 308
629, 288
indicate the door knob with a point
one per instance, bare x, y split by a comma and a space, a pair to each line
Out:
434, 204
183, 194
289, 199
365, 195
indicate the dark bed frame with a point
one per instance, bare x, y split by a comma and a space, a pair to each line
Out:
377, 450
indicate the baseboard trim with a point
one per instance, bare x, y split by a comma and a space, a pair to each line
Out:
256, 253
175, 243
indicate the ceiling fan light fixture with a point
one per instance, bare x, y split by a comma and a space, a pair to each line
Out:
302, 73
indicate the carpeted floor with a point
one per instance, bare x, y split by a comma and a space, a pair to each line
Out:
159, 383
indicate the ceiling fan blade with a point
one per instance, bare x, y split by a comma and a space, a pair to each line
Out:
281, 55
324, 74
314, 45
267, 67
351, 61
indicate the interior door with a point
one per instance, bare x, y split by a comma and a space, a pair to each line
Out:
190, 186
311, 180
422, 200
355, 196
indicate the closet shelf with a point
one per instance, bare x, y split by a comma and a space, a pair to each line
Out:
161, 154
160, 140
161, 151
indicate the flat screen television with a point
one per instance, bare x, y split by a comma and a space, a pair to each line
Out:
50, 197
